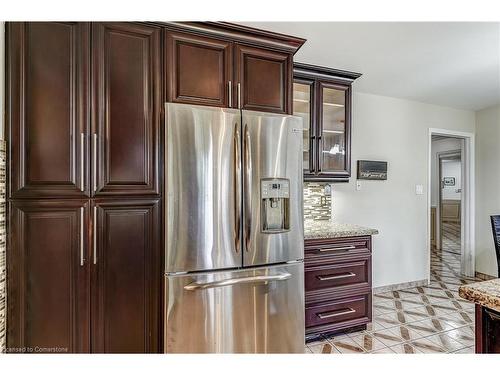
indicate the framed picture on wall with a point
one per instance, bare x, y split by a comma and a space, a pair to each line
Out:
449, 181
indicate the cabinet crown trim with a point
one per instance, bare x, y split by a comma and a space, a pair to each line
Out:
323, 72
238, 33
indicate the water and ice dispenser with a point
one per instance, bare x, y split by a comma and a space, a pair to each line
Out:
275, 206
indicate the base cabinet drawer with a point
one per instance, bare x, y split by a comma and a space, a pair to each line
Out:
338, 311
324, 249
353, 273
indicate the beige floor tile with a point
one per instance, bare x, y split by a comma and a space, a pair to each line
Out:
463, 335
323, 348
405, 348
446, 341
426, 346
368, 342
382, 351
389, 337
347, 346
468, 350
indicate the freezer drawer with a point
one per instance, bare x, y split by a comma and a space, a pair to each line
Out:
259, 310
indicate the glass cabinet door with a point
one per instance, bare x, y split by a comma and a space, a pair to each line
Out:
302, 98
333, 135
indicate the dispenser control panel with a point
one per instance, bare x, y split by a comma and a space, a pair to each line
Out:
275, 206
275, 188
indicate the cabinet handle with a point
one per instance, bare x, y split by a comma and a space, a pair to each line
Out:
230, 93
334, 314
82, 171
95, 235
340, 248
82, 259
336, 277
239, 95
95, 162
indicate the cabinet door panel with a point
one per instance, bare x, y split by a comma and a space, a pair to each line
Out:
127, 107
48, 277
265, 79
198, 70
47, 78
334, 136
303, 106
126, 278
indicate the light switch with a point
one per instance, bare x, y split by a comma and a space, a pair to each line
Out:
358, 185
419, 189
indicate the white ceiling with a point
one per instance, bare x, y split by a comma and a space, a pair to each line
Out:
450, 64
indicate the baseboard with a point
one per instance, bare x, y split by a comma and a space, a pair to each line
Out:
484, 276
390, 288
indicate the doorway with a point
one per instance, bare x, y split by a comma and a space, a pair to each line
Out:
451, 198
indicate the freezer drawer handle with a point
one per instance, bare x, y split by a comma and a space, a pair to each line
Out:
241, 280
340, 248
336, 277
337, 313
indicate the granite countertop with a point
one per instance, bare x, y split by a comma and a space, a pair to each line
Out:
485, 293
314, 229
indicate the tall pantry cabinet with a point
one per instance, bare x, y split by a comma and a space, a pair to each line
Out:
84, 115
84, 261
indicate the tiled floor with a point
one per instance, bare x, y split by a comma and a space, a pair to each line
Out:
430, 319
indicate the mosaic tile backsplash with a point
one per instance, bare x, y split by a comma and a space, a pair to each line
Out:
317, 205
3, 268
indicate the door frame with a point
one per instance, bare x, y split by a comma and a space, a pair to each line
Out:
439, 160
468, 233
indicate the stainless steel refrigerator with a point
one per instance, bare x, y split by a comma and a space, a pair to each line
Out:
234, 231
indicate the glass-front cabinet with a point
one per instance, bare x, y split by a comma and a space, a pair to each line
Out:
322, 97
302, 107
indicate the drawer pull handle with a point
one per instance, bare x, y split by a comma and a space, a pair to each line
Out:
336, 313
340, 248
336, 277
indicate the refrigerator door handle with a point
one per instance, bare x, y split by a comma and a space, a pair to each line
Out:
236, 281
247, 192
237, 188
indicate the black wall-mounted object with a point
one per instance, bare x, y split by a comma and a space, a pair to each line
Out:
372, 170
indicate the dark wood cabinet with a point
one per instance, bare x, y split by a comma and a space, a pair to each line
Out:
126, 277
84, 113
338, 285
47, 277
227, 65
487, 330
199, 70
127, 105
47, 109
322, 97
264, 79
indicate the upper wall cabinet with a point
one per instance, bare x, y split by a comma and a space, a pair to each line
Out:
199, 70
322, 97
127, 105
231, 66
264, 79
47, 110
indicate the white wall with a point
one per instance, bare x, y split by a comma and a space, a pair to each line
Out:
440, 145
487, 186
395, 131
452, 168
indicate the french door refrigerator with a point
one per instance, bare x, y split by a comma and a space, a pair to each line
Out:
234, 231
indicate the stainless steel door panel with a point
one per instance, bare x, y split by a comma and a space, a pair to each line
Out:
260, 310
272, 148
203, 207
